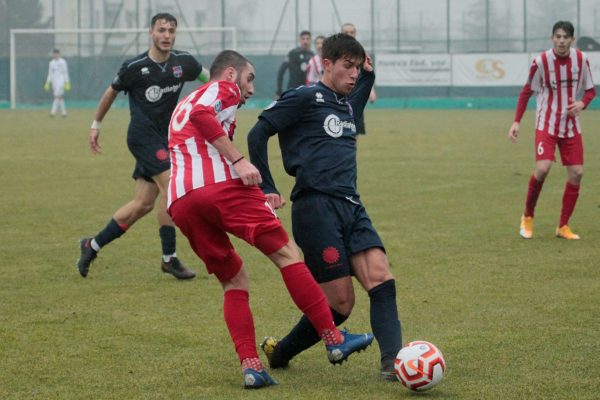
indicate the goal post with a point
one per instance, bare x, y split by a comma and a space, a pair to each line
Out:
94, 57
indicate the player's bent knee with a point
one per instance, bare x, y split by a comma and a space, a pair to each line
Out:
228, 268
237, 282
274, 240
342, 305
576, 175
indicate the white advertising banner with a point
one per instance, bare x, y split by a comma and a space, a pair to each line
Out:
413, 69
502, 69
594, 57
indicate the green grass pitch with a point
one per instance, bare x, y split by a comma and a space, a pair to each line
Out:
515, 319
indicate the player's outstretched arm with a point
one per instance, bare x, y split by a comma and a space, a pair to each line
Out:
104, 105
258, 139
204, 75
513, 132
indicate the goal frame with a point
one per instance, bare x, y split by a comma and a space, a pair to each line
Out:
15, 32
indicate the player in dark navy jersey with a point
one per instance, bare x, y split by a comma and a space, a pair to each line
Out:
317, 136
349, 29
153, 81
296, 63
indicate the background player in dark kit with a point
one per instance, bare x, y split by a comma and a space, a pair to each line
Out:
153, 81
296, 63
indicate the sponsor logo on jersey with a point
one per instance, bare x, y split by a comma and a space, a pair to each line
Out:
334, 127
145, 71
154, 93
178, 71
319, 97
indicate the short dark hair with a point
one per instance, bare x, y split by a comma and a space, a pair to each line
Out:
166, 16
565, 26
55, 51
228, 58
305, 32
341, 45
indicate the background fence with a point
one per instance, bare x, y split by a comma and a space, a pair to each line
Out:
267, 29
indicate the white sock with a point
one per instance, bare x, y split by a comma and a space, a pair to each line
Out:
95, 245
63, 109
54, 106
167, 257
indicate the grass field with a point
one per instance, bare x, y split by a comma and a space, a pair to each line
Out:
515, 319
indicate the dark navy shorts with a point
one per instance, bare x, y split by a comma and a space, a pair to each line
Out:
151, 159
329, 230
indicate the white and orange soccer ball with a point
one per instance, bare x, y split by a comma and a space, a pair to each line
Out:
420, 366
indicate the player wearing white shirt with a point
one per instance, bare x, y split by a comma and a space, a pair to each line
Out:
58, 79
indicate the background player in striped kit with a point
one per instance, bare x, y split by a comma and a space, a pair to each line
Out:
558, 76
58, 80
314, 71
213, 191
153, 81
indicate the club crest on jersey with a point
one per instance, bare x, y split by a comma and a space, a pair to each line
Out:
145, 71
177, 71
218, 106
334, 126
319, 97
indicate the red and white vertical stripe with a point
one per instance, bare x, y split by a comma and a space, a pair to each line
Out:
314, 71
559, 81
194, 161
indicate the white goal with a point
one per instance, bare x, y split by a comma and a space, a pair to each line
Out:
94, 56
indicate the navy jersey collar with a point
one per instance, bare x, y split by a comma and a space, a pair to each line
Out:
338, 97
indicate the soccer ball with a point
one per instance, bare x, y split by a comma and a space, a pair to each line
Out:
420, 366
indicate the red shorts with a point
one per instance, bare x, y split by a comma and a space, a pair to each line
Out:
206, 215
571, 149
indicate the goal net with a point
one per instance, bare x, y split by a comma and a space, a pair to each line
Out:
94, 56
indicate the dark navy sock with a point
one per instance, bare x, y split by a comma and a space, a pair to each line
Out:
304, 335
167, 239
111, 232
384, 319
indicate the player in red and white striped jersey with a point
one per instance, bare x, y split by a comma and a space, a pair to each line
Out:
314, 70
213, 191
558, 77
195, 161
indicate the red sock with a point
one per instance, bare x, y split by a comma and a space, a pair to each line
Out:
568, 203
310, 299
238, 317
253, 363
533, 192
